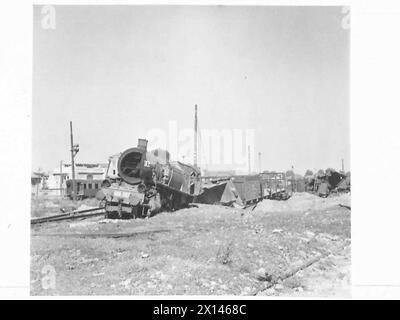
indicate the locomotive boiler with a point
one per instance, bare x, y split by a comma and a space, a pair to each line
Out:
148, 182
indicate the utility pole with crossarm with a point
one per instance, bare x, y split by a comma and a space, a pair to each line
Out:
74, 151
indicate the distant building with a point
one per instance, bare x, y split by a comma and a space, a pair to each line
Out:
38, 182
86, 171
218, 173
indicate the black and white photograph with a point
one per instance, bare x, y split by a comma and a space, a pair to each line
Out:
199, 159
191, 150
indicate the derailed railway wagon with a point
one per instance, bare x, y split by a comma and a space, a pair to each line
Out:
249, 188
253, 188
330, 181
149, 183
243, 190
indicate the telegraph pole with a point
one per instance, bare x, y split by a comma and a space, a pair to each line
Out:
343, 165
195, 136
248, 156
61, 179
294, 180
74, 151
259, 161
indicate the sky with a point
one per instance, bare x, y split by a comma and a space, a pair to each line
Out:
120, 73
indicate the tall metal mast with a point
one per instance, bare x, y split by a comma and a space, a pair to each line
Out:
195, 137
248, 155
61, 179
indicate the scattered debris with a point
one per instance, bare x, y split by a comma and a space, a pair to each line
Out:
293, 271
269, 291
263, 275
303, 202
144, 255
98, 274
279, 287
126, 283
326, 237
309, 234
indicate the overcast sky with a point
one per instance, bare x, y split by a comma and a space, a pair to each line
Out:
119, 71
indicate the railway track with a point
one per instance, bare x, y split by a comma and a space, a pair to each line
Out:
77, 214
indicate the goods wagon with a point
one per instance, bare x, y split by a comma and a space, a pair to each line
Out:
84, 188
248, 188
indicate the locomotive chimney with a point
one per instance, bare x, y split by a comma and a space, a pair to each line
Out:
142, 144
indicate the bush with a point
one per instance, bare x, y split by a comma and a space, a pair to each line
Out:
224, 254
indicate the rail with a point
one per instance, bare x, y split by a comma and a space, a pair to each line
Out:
86, 213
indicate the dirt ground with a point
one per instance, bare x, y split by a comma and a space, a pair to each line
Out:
204, 250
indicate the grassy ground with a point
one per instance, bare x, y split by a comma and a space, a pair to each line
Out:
209, 250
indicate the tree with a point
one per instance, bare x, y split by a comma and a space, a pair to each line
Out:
309, 173
290, 173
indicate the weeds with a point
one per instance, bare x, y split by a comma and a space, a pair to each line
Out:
224, 254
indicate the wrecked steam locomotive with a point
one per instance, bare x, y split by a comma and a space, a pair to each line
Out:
148, 183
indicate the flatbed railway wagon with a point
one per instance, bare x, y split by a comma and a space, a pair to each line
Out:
274, 185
